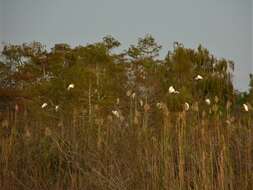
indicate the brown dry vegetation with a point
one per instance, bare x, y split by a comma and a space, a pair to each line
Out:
154, 143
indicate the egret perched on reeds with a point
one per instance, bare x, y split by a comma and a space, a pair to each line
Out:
57, 108
186, 106
117, 101
208, 101
133, 95
198, 77
116, 113
44, 105
71, 86
172, 90
159, 105
141, 103
129, 92
246, 108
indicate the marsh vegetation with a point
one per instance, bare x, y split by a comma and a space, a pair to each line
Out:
90, 118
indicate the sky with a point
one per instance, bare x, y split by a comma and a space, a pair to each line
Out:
1, 22
223, 26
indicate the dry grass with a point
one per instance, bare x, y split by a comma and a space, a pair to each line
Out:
185, 150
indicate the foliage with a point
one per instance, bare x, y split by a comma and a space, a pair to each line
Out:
118, 126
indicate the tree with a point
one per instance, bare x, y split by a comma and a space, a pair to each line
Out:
146, 48
110, 42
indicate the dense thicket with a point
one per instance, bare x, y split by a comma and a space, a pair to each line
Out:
89, 118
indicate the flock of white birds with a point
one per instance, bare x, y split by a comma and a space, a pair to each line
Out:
57, 107
171, 90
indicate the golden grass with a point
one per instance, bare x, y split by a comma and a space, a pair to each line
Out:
185, 150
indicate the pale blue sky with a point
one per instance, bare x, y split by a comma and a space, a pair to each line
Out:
223, 26
1, 21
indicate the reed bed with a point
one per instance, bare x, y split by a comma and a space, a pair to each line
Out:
184, 150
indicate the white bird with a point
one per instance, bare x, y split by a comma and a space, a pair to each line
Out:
44, 105
129, 92
159, 105
133, 95
71, 86
186, 106
115, 113
172, 90
198, 77
141, 103
208, 101
246, 108
117, 101
57, 107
